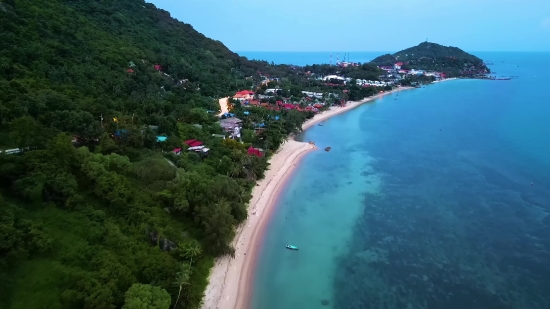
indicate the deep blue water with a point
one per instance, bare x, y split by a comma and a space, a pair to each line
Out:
436, 197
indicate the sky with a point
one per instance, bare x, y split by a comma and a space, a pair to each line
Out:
367, 25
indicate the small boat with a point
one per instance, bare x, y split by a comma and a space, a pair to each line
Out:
291, 247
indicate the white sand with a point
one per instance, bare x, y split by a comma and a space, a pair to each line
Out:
445, 80
230, 279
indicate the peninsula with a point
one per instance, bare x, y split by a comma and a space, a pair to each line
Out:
435, 60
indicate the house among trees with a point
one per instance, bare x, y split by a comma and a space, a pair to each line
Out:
196, 146
255, 152
229, 124
219, 135
244, 95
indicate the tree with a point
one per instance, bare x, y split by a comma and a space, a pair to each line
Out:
191, 250
145, 296
26, 133
182, 280
217, 224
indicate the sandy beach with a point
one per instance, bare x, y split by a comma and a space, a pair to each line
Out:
231, 278
445, 80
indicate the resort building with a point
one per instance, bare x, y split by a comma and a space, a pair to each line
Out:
244, 95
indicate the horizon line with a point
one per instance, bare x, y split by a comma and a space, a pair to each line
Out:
382, 51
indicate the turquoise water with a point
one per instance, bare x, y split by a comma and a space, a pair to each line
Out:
431, 198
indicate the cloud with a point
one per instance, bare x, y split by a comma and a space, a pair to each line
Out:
545, 23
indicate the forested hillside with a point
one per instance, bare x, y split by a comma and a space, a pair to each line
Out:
435, 57
96, 212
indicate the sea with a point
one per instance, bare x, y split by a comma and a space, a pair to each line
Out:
436, 197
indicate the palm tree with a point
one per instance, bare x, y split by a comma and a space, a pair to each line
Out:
182, 279
191, 250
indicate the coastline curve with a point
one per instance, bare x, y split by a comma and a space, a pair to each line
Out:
231, 278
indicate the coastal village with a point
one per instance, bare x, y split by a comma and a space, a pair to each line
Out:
337, 89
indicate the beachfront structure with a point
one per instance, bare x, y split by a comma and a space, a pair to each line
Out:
368, 83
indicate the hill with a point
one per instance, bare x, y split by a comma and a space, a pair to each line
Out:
434, 57
122, 219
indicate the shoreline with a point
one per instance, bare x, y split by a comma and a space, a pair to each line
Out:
230, 279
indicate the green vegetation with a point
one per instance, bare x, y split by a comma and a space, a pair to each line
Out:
434, 57
119, 221
364, 71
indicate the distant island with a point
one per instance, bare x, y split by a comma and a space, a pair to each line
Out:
431, 58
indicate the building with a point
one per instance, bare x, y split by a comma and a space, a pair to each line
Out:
196, 146
229, 124
244, 95
255, 152
333, 77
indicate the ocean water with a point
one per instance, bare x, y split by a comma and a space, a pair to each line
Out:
436, 197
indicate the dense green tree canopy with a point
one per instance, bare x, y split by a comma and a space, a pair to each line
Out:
145, 296
434, 57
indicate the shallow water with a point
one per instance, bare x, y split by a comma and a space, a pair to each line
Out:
430, 198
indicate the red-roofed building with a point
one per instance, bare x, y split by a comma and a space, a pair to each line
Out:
158, 67
255, 152
193, 143
177, 151
129, 71
244, 95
